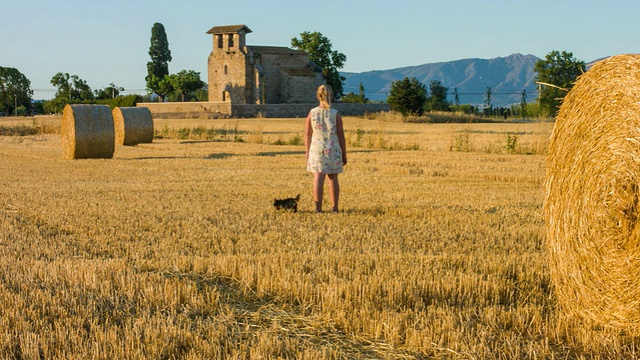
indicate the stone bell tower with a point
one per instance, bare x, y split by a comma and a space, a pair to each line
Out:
250, 74
229, 68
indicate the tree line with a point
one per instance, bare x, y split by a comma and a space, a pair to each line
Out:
16, 93
555, 74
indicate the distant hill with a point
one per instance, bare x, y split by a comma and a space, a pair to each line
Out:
507, 77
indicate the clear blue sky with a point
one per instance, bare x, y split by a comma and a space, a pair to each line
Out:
107, 42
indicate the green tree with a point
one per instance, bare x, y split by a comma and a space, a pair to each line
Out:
110, 92
356, 98
523, 104
54, 106
488, 108
186, 82
160, 55
437, 98
71, 89
38, 107
15, 90
321, 53
361, 92
456, 98
556, 73
160, 86
407, 96
63, 82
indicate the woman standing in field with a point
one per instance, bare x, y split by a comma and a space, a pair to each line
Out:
325, 147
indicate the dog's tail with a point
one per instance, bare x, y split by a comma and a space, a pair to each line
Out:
298, 197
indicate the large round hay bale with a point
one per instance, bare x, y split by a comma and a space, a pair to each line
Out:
592, 205
133, 125
86, 132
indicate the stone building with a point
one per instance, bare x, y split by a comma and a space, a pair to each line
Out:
256, 81
248, 74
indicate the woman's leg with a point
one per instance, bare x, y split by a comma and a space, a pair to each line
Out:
318, 187
334, 189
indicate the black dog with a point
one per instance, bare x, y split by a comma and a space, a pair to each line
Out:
287, 204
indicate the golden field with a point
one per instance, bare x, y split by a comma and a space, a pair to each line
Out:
173, 250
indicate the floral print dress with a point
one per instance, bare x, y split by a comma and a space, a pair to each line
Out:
325, 153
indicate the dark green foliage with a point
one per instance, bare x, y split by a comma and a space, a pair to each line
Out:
160, 86
158, 67
110, 92
120, 101
320, 52
456, 97
437, 99
488, 108
560, 70
201, 94
186, 82
71, 90
15, 90
159, 53
523, 104
359, 98
407, 96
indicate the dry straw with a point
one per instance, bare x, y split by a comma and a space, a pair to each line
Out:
592, 196
87, 132
133, 125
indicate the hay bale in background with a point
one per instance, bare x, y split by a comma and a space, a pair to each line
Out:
133, 125
86, 131
592, 207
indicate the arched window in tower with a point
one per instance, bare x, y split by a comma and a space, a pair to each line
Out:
226, 69
220, 41
230, 40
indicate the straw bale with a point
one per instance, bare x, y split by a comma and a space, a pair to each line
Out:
87, 132
133, 125
592, 202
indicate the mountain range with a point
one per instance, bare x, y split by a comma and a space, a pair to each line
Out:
506, 76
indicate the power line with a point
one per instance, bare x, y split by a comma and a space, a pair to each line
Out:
471, 92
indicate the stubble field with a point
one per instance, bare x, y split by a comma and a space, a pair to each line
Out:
172, 250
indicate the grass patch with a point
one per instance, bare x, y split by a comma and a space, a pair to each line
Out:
18, 130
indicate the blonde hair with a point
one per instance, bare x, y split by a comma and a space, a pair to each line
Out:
325, 94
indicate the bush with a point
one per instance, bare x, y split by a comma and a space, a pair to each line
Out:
407, 96
462, 142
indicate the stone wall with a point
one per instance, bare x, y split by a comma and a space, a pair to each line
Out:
189, 110
301, 89
219, 109
353, 109
301, 110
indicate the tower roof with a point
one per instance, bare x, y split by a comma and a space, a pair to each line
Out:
229, 29
273, 50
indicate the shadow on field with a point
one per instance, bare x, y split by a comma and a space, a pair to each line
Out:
156, 158
327, 211
219, 156
350, 150
277, 153
196, 141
